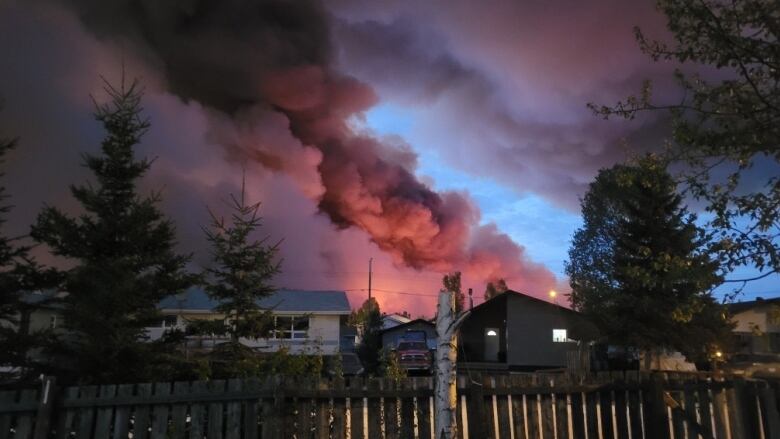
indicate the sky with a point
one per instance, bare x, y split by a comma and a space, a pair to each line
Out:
427, 136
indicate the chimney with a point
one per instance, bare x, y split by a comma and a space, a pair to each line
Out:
471, 300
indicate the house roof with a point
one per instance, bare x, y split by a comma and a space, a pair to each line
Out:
393, 320
407, 324
512, 293
322, 302
738, 307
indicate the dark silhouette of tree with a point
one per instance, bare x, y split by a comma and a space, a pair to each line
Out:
637, 266
121, 257
722, 127
368, 321
494, 289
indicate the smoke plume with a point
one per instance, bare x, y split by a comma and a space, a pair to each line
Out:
263, 72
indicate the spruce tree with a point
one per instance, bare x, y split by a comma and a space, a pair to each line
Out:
17, 275
638, 265
368, 321
240, 277
121, 255
494, 289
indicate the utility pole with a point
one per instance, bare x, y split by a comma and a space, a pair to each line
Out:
370, 261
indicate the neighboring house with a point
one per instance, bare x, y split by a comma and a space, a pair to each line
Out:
304, 321
393, 320
391, 336
757, 325
514, 331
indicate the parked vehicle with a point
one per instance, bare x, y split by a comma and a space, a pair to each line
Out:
414, 355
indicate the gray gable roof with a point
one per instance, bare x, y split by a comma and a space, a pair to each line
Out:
331, 302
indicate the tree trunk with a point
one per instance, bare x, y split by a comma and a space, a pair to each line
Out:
446, 396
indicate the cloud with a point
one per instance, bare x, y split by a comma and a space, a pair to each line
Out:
228, 89
504, 84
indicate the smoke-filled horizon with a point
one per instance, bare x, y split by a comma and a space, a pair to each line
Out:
283, 92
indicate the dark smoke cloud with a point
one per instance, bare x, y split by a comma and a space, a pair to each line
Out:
262, 71
504, 83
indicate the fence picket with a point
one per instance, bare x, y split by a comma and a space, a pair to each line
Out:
26, 420
7, 399
86, 414
198, 411
179, 411
233, 421
105, 415
159, 424
142, 414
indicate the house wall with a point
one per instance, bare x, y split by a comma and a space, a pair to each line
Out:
323, 335
530, 332
755, 332
471, 343
390, 337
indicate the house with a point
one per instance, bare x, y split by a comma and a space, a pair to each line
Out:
514, 331
757, 327
306, 322
392, 320
392, 335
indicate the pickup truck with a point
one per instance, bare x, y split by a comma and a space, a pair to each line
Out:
414, 355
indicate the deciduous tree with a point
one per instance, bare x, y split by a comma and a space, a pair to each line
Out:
727, 120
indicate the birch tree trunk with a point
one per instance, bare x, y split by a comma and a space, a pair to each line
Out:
446, 396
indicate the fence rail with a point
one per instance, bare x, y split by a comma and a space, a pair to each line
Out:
534, 406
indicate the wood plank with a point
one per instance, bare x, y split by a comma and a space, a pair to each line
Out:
233, 420
634, 414
406, 411
178, 428
770, 413
721, 414
339, 417
216, 411
620, 412
503, 409
323, 418
7, 399
476, 409
142, 415
122, 413
592, 404
549, 426
356, 406
374, 410
86, 414
577, 416
704, 413
424, 413
159, 423
26, 420
251, 407
534, 416
391, 411
105, 415
198, 411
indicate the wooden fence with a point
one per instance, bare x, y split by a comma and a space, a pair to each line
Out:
537, 406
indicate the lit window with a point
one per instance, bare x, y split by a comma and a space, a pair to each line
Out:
289, 327
492, 332
559, 335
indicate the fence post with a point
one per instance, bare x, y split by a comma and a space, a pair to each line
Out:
657, 422
45, 408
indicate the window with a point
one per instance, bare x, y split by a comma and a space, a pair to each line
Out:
291, 327
559, 336
52, 322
